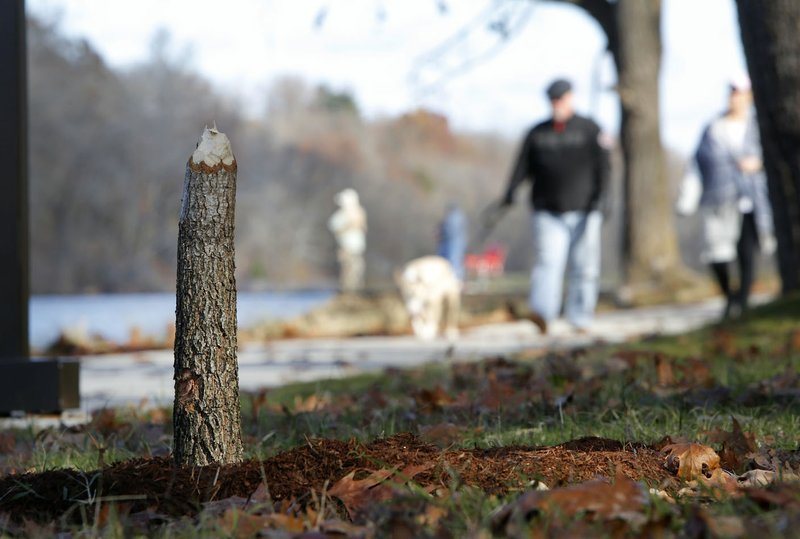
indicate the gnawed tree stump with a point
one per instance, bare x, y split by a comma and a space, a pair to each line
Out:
207, 414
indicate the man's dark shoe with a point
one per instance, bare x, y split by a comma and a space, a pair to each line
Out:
537, 319
532, 316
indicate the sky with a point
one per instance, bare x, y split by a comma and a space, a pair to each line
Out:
381, 50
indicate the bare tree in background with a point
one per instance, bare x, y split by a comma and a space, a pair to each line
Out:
772, 47
88, 174
104, 205
633, 31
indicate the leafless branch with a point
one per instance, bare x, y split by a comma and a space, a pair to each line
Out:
487, 34
479, 40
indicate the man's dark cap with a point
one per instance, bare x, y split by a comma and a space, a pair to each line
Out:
558, 88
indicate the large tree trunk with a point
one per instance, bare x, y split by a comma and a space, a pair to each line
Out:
207, 414
650, 244
772, 47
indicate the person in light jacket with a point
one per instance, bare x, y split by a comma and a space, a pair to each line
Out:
728, 183
349, 226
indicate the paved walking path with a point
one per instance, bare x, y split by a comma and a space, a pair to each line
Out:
146, 377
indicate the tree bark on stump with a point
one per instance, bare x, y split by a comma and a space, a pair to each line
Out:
770, 37
207, 413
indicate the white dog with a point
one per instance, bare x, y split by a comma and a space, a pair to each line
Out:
432, 296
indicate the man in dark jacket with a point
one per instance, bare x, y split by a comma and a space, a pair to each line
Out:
567, 162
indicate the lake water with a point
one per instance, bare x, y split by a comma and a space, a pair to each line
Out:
114, 315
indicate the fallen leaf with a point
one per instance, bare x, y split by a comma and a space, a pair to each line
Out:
8, 443
721, 483
289, 523
257, 402
34, 529
101, 517
410, 472
376, 399
106, 421
158, 416
311, 403
786, 380
241, 525
146, 519
346, 529
782, 495
736, 447
794, 341
261, 494
429, 400
599, 500
376, 488
756, 478
431, 516
311, 514
664, 372
220, 507
668, 440
689, 461
727, 526
703, 524
442, 435
723, 343
631, 357
662, 495
498, 394
356, 494
697, 373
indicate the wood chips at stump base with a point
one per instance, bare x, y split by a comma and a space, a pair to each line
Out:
160, 486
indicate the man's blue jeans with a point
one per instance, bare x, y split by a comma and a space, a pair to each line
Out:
566, 241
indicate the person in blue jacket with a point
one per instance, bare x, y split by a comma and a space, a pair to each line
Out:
453, 238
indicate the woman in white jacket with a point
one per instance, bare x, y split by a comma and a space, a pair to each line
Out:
728, 184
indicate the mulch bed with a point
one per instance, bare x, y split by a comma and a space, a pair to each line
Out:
158, 485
